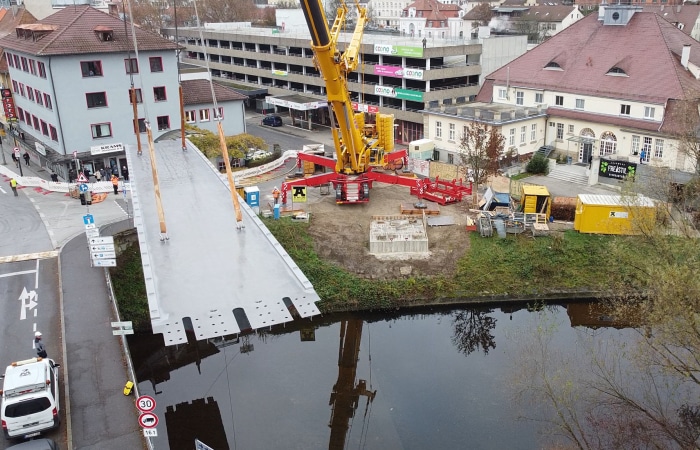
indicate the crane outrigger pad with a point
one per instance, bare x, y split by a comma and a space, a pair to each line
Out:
207, 268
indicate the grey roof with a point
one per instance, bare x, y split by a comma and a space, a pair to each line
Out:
198, 92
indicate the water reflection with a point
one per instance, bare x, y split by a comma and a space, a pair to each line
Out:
423, 380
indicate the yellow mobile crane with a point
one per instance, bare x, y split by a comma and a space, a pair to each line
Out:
359, 147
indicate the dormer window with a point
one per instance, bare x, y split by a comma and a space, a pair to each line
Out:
104, 34
617, 72
553, 66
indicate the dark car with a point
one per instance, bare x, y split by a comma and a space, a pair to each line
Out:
272, 121
37, 444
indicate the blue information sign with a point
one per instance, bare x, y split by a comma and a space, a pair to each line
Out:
83, 187
88, 219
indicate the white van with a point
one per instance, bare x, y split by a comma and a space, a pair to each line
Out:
30, 398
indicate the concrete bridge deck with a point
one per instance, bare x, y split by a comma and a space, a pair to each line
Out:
208, 268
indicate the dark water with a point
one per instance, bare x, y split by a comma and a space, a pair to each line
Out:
438, 380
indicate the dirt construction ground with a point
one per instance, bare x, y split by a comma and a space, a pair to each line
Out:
341, 233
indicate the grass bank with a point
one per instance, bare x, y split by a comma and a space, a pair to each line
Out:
560, 265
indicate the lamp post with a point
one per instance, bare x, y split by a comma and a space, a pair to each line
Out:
15, 149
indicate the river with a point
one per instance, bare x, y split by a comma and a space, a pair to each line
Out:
439, 379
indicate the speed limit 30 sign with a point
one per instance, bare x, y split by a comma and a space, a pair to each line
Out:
146, 403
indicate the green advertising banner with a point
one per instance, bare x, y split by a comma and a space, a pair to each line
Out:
409, 52
407, 94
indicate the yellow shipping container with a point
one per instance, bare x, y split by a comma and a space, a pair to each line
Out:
536, 199
613, 214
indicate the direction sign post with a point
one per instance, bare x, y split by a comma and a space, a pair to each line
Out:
88, 219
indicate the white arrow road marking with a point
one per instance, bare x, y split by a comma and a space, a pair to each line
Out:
28, 300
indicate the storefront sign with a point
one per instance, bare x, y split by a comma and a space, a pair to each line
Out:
365, 108
107, 148
408, 94
281, 73
294, 105
617, 169
398, 50
389, 71
8, 105
413, 74
40, 148
384, 91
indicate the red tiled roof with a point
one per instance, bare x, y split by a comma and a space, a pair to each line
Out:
648, 49
10, 20
545, 13
485, 94
679, 115
434, 10
678, 14
75, 34
198, 92
626, 122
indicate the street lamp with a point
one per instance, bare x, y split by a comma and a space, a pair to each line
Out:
16, 151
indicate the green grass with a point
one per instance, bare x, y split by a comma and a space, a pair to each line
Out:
130, 289
521, 175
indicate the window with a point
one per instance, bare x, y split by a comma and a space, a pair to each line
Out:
659, 148
190, 116
624, 110
9, 60
21, 90
35, 119
519, 97
42, 69
511, 137
32, 67
44, 128
450, 158
54, 134
502, 93
608, 143
132, 65
451, 132
137, 93
47, 101
101, 130
159, 94
156, 63
571, 129
96, 99
142, 125
580, 103
30, 93
15, 87
91, 68
646, 148
25, 67
438, 129
635, 145
560, 131
436, 155
38, 97
649, 112
533, 132
163, 122
204, 115
539, 97
220, 114
523, 134
559, 100
17, 65
20, 113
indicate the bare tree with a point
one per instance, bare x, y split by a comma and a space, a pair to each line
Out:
534, 31
473, 330
482, 13
480, 148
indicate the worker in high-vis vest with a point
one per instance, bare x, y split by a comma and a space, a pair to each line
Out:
276, 195
115, 184
13, 185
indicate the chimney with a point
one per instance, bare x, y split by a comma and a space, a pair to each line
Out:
112, 9
685, 56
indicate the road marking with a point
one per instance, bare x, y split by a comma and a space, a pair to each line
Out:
36, 282
3, 190
28, 257
24, 272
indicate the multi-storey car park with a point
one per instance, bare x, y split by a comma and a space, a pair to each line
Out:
397, 75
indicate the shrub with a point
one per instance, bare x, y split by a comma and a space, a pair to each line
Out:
538, 164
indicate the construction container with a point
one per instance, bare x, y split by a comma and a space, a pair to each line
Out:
421, 149
535, 199
614, 214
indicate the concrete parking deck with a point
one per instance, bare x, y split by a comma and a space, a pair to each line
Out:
208, 268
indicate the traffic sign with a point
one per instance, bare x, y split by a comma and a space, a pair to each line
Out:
150, 432
102, 248
90, 226
102, 240
92, 233
104, 263
148, 420
199, 445
145, 403
103, 255
83, 187
87, 218
75, 154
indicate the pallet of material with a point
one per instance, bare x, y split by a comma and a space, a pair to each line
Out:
410, 208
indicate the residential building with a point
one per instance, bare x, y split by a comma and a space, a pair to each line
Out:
200, 110
71, 77
603, 98
684, 17
41, 9
432, 19
386, 13
9, 19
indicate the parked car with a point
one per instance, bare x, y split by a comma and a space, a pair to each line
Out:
36, 444
272, 120
30, 398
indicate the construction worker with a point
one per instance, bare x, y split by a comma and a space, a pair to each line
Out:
276, 194
13, 185
115, 184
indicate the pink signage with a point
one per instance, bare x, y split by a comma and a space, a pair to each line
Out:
389, 71
365, 108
